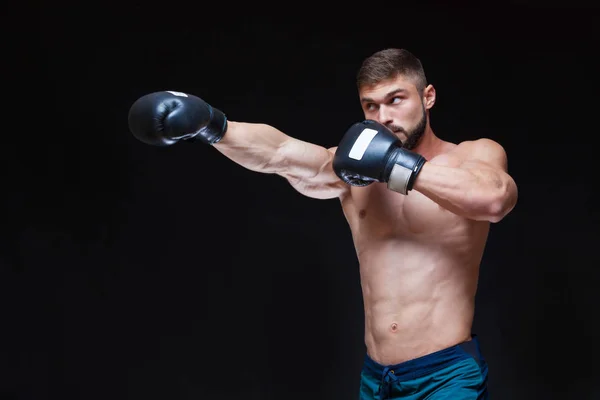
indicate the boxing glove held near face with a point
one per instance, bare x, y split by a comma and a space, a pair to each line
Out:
369, 152
164, 118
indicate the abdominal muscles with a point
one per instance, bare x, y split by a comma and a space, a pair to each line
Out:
419, 289
419, 266
416, 301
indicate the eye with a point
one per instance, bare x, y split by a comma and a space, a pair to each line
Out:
370, 107
396, 100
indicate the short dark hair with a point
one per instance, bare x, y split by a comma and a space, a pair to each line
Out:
388, 64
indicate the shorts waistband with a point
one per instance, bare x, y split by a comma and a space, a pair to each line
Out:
422, 366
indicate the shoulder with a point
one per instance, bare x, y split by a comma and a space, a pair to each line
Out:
482, 144
483, 149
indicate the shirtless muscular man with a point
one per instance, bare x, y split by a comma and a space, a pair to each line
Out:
419, 209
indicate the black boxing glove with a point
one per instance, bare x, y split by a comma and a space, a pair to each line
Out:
164, 118
369, 152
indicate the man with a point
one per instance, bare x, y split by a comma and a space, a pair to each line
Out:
419, 209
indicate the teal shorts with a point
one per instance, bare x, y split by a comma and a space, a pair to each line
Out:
457, 373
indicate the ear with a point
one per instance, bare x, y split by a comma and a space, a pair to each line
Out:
429, 97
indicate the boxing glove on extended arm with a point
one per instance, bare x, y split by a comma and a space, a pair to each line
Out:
164, 118
369, 153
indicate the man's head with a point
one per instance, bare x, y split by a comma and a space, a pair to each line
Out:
393, 90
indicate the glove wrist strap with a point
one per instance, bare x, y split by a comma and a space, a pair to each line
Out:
214, 131
405, 169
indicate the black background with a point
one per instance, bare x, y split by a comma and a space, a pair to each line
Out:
135, 272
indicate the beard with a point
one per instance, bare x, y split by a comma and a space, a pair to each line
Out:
414, 135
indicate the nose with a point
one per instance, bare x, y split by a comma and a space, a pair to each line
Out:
385, 116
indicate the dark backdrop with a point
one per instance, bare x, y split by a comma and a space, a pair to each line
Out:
134, 272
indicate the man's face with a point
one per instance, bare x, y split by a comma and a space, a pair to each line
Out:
397, 104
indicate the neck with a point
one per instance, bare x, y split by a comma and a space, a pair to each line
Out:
430, 145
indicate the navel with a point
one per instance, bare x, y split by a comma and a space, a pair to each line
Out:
394, 327
362, 213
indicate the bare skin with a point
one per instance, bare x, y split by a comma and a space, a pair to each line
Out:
419, 254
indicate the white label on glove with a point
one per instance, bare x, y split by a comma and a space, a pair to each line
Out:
360, 146
177, 93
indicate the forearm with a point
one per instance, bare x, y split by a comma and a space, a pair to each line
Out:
254, 146
263, 148
476, 193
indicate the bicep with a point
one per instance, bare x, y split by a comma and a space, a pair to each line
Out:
308, 168
488, 160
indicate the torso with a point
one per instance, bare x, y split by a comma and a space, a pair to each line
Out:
419, 266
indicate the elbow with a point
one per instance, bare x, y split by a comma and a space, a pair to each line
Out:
496, 212
501, 202
278, 162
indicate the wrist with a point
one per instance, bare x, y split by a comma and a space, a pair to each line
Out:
214, 130
405, 167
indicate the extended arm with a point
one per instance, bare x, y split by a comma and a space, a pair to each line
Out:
263, 148
165, 118
479, 187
